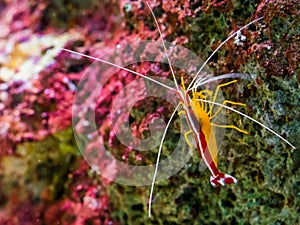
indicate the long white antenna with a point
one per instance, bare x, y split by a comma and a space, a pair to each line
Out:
212, 54
163, 43
250, 118
157, 160
120, 67
206, 80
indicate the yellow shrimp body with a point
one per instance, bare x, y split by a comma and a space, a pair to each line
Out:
200, 115
206, 127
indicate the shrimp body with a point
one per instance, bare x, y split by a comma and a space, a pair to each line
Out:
199, 122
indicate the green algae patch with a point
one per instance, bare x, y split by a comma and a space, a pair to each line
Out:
41, 167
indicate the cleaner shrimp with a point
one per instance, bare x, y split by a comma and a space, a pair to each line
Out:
198, 107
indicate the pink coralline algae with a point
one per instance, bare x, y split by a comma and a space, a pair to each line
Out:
38, 82
32, 113
87, 204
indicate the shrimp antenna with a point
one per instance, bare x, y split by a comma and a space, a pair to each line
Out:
157, 160
208, 79
168, 124
120, 67
163, 43
212, 54
250, 118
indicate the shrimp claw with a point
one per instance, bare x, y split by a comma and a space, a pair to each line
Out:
222, 179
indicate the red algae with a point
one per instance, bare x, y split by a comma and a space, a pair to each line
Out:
37, 87
280, 54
